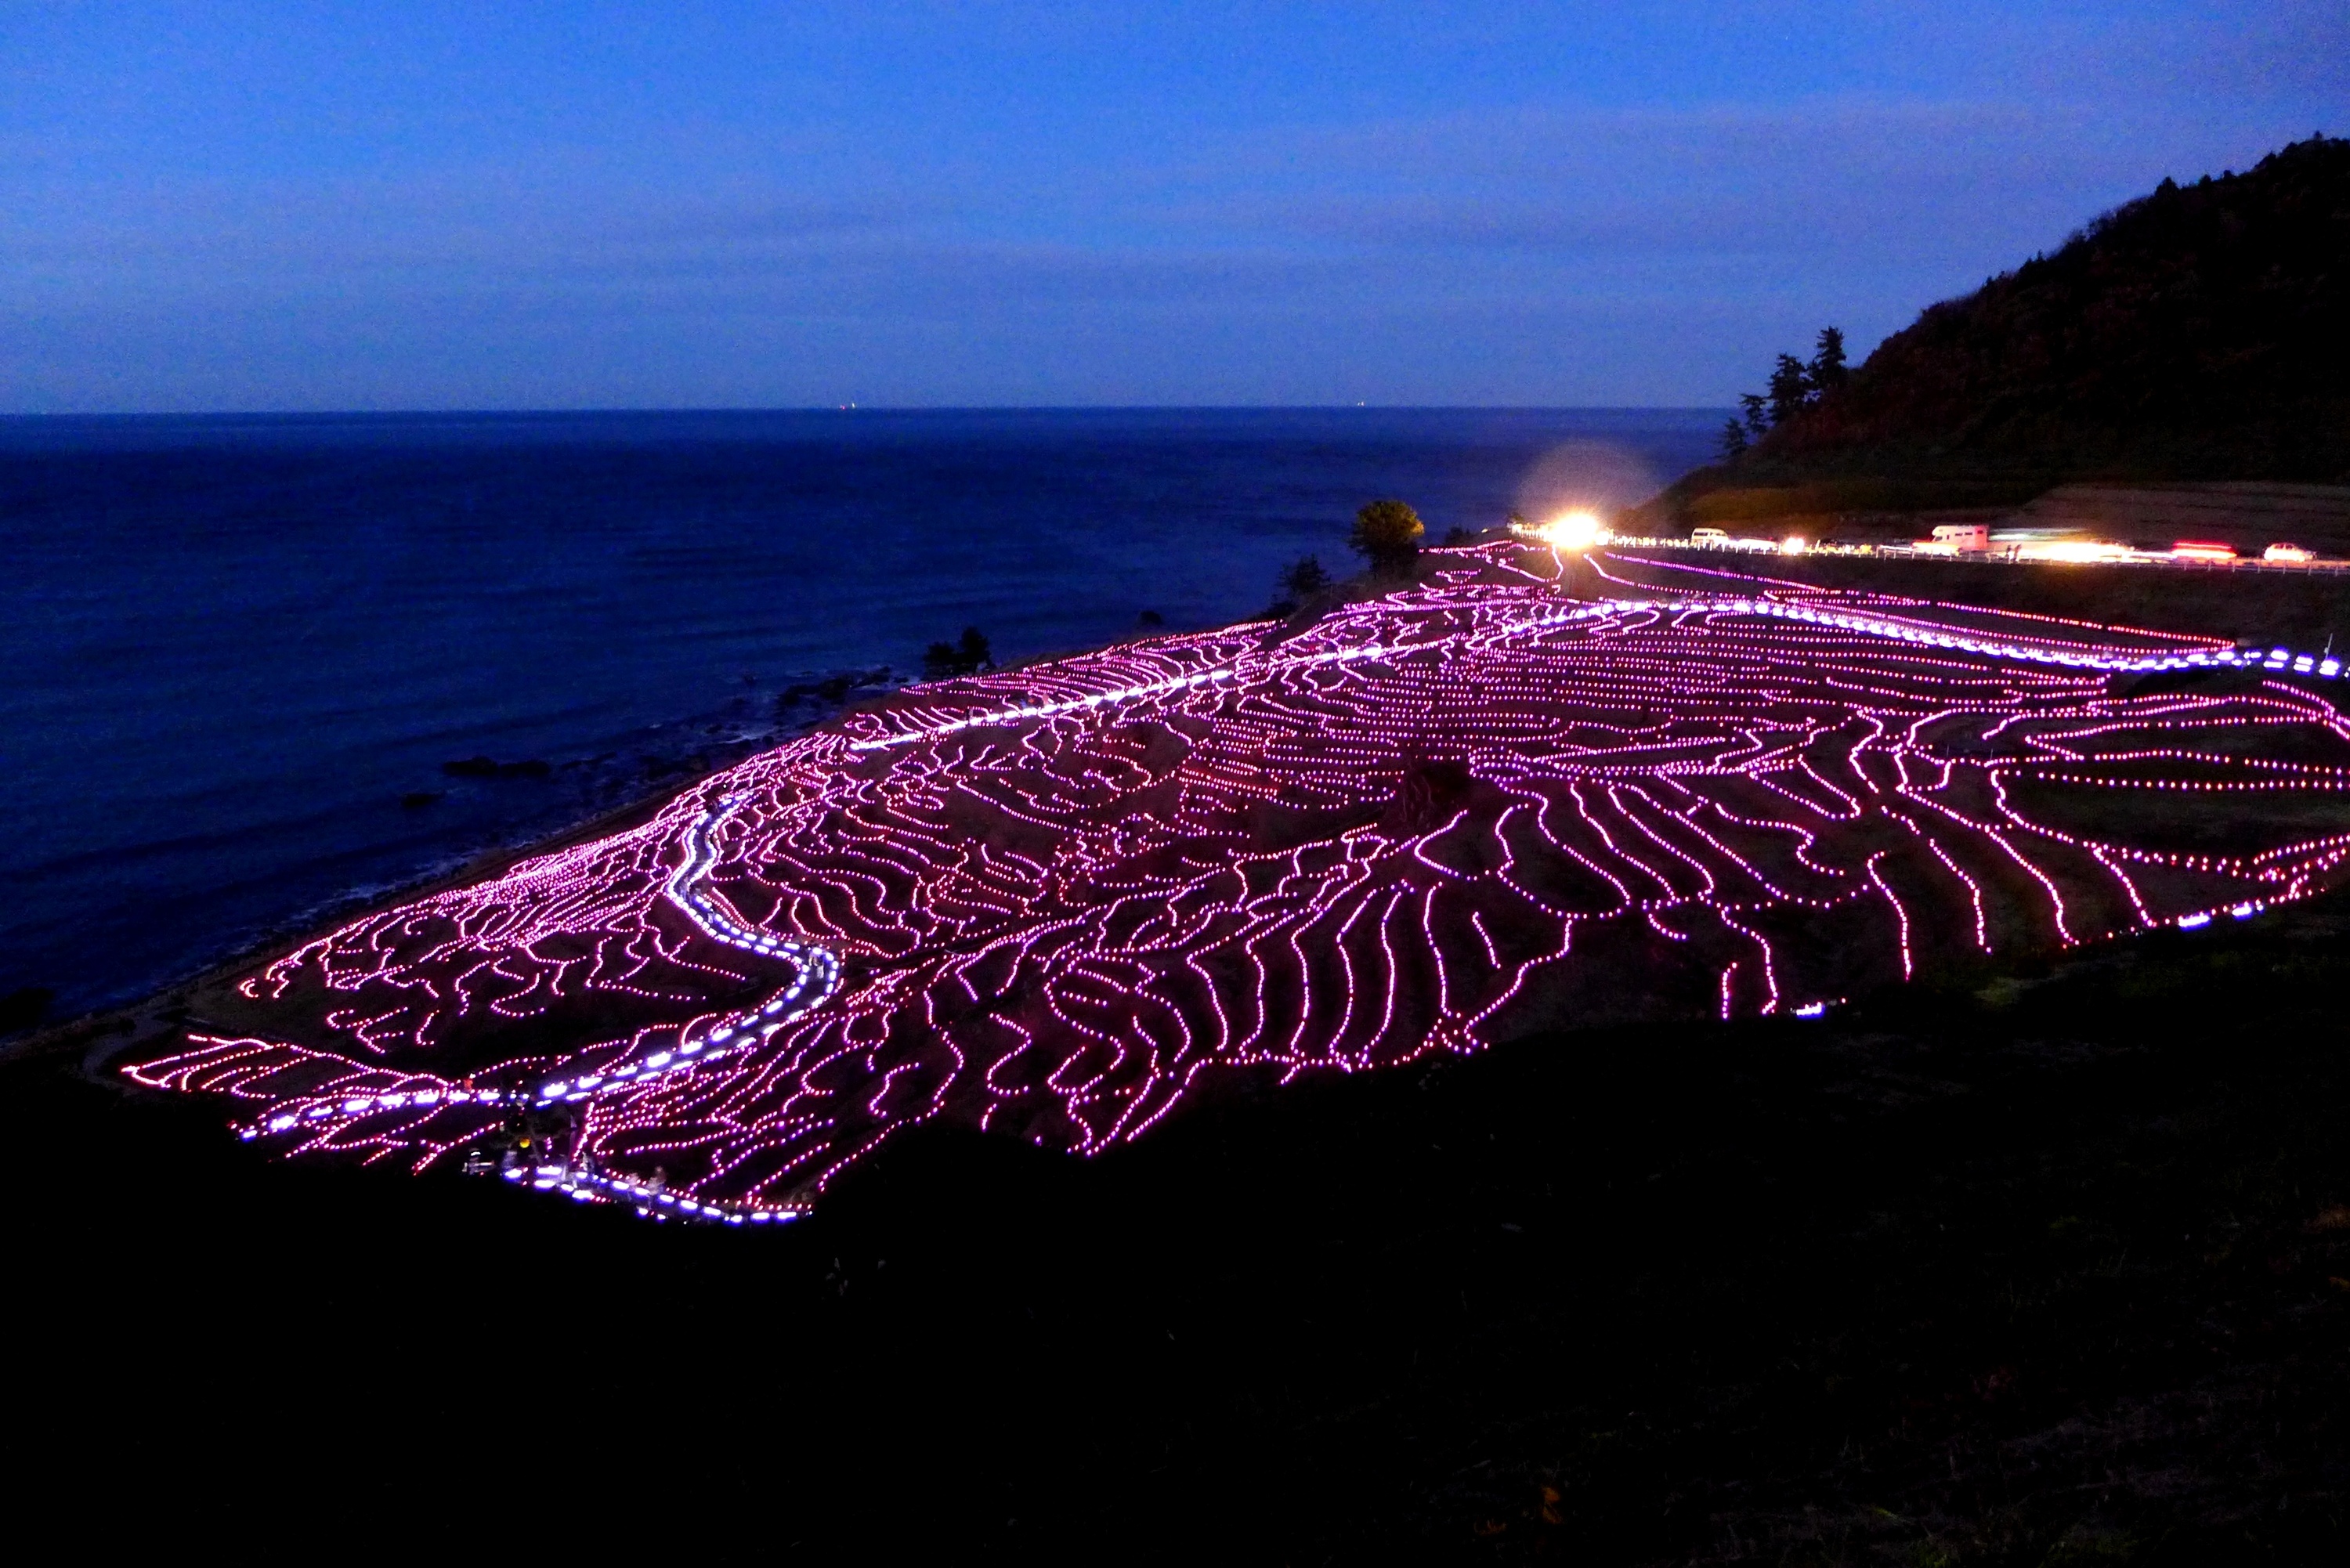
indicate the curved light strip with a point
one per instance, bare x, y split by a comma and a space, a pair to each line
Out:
863, 851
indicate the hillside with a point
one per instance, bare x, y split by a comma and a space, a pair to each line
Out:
2194, 333
1105, 886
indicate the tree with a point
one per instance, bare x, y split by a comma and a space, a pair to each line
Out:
1795, 386
1826, 369
1733, 439
967, 657
1303, 578
1298, 581
1388, 535
1791, 389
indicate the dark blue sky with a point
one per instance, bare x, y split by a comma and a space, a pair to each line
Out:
415, 206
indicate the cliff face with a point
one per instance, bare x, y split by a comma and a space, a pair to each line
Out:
2196, 332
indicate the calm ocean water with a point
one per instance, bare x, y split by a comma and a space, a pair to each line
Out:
233, 645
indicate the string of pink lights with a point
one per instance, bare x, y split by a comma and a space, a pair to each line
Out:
1054, 903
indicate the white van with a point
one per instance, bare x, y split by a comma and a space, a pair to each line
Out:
1706, 537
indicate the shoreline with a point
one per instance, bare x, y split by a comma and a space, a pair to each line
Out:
103, 1034
119, 1028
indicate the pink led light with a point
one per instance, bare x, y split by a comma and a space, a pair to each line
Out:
1046, 903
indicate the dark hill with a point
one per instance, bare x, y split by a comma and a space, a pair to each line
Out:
2196, 332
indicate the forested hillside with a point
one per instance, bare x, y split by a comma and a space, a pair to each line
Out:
2196, 332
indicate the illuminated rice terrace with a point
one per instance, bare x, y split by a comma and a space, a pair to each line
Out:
1054, 903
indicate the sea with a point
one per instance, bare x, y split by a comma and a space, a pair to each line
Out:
242, 652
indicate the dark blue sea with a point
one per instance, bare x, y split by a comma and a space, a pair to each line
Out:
239, 650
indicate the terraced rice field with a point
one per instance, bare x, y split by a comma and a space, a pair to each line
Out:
1054, 903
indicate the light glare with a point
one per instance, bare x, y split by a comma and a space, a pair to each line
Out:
1577, 530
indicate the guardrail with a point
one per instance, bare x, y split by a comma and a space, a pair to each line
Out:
1993, 557
2276, 661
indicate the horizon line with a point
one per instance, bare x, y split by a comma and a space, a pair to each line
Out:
559, 411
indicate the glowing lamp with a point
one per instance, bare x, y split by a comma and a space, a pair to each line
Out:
1577, 530
1794, 544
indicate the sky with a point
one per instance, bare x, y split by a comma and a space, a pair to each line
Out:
227, 206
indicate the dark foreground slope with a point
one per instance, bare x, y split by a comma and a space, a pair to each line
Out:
2019, 1269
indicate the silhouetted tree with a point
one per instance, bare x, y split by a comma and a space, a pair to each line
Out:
1795, 386
1388, 535
1791, 389
1304, 577
967, 657
1826, 369
1733, 439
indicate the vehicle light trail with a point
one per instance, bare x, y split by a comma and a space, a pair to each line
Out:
1045, 903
